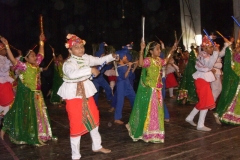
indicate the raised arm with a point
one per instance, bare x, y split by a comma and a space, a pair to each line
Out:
41, 44
9, 52
141, 53
226, 44
174, 47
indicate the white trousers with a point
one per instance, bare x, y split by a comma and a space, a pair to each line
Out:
201, 119
112, 84
75, 143
170, 92
4, 110
216, 87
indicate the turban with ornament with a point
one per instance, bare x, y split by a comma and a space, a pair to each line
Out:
206, 42
73, 40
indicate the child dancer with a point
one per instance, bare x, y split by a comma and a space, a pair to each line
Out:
28, 112
57, 80
100, 81
112, 78
217, 84
163, 74
78, 90
187, 90
171, 81
6, 89
147, 118
203, 76
123, 86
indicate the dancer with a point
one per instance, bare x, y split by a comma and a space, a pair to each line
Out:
217, 84
187, 90
6, 88
78, 90
123, 85
57, 80
171, 81
100, 81
27, 122
146, 121
228, 110
203, 76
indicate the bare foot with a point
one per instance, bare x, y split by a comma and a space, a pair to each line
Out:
217, 118
119, 122
184, 101
2, 134
166, 120
111, 109
103, 150
127, 126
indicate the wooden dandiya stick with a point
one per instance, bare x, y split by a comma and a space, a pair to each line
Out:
175, 35
157, 38
169, 55
41, 24
220, 34
13, 47
180, 38
49, 63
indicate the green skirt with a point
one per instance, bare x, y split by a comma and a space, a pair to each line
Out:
27, 121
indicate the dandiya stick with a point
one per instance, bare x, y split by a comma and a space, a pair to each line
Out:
208, 37
235, 20
49, 63
13, 47
220, 34
169, 55
126, 64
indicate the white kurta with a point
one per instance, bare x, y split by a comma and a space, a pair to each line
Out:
77, 69
204, 65
4, 70
217, 84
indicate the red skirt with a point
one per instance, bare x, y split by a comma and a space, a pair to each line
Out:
6, 94
112, 78
74, 110
171, 81
205, 96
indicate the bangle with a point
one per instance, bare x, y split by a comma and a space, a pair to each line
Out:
41, 43
7, 46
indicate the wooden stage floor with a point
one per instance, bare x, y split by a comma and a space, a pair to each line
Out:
182, 141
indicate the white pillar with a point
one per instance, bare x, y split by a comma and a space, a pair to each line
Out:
190, 21
236, 14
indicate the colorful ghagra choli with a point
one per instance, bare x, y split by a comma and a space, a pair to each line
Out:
187, 87
228, 107
57, 82
147, 118
27, 122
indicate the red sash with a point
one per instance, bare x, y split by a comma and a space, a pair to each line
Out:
205, 96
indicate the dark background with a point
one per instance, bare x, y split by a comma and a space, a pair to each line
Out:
101, 20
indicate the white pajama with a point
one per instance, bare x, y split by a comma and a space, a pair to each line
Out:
201, 118
75, 143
